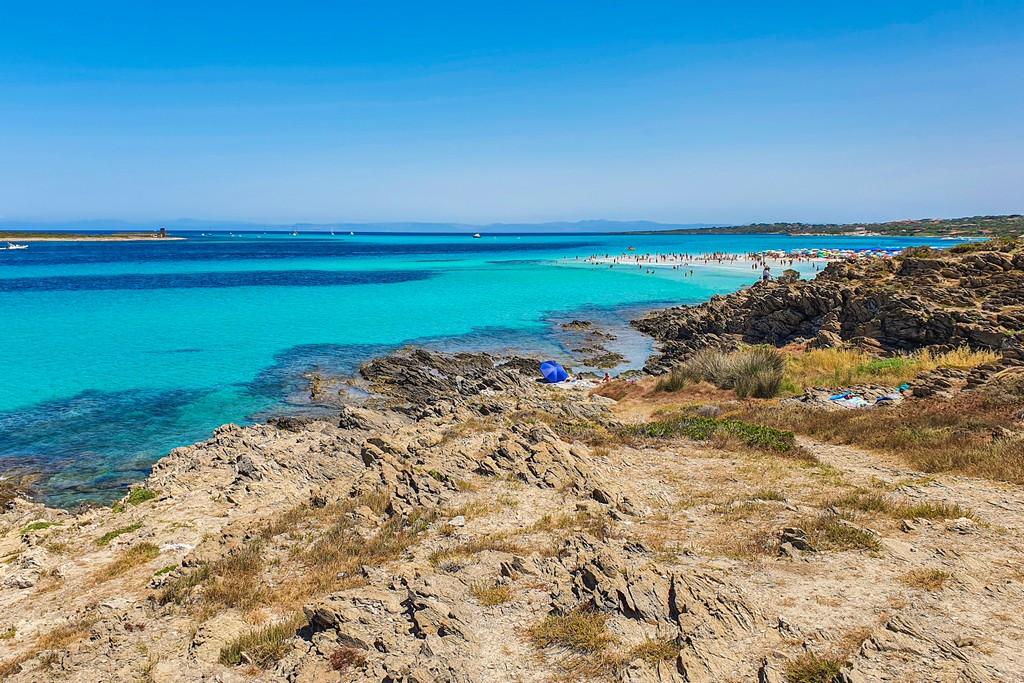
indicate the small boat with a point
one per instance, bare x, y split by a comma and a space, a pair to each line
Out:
295, 234
351, 233
476, 235
16, 246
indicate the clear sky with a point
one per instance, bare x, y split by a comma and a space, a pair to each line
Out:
528, 111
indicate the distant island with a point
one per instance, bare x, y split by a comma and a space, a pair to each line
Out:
41, 236
974, 226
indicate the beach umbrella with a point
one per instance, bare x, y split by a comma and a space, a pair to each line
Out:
553, 372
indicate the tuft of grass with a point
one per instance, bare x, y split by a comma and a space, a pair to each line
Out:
935, 511
106, 538
834, 532
768, 494
811, 668
165, 570
261, 646
37, 526
674, 380
8, 633
346, 658
583, 631
926, 579
488, 594
754, 372
653, 651
130, 558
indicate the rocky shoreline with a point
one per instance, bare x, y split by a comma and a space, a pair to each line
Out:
468, 523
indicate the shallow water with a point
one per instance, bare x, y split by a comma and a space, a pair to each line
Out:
116, 352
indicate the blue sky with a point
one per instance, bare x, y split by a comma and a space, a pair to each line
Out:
478, 112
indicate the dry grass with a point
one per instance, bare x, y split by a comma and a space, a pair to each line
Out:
873, 502
811, 668
489, 594
55, 639
262, 646
975, 433
346, 658
653, 651
583, 631
453, 558
582, 640
128, 559
926, 579
837, 532
756, 371
843, 367
326, 553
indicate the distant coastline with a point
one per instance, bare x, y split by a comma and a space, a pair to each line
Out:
973, 226
78, 237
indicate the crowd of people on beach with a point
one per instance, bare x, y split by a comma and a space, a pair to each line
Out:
649, 262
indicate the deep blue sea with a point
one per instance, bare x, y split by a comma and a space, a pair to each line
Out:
116, 352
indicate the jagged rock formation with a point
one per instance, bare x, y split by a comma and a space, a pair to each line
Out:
974, 300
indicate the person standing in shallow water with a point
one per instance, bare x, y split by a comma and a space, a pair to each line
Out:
766, 274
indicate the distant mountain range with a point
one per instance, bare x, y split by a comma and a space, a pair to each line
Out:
1004, 225
189, 224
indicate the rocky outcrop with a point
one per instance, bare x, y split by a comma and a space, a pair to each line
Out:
903, 304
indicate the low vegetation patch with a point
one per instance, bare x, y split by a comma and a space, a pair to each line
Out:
653, 651
130, 558
452, 559
37, 526
326, 554
55, 639
106, 538
926, 579
704, 428
976, 433
583, 631
135, 497
812, 668
868, 501
8, 633
581, 638
844, 367
347, 658
262, 646
837, 532
489, 594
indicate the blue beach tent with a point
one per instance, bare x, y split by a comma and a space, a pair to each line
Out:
553, 372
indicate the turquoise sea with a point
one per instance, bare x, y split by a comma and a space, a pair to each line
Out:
116, 352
